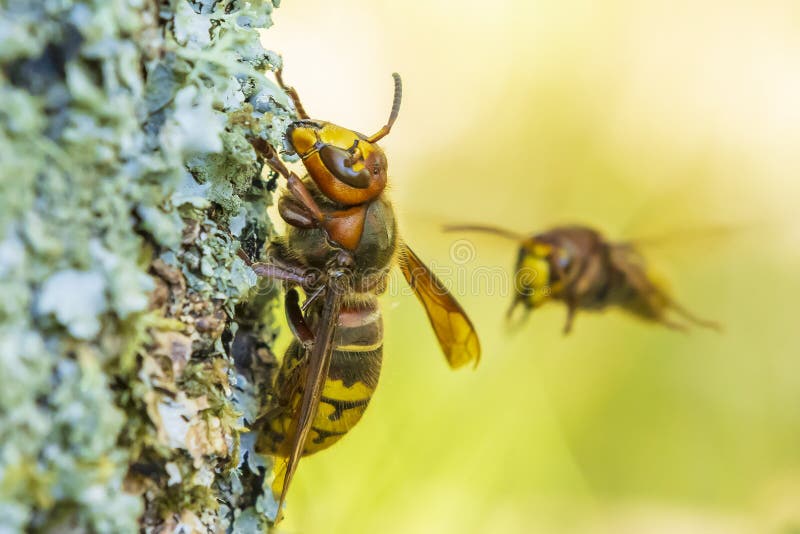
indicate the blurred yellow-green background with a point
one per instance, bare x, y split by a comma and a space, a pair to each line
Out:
639, 118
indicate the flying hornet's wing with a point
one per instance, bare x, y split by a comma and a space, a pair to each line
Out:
319, 361
453, 329
652, 294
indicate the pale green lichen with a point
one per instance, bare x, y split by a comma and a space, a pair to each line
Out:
76, 299
133, 345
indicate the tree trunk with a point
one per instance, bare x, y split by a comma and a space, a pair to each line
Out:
134, 340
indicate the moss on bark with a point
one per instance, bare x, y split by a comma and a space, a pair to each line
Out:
134, 341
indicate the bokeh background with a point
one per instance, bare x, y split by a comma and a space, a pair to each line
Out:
640, 118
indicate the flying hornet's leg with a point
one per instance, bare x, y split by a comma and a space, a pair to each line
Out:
298, 106
513, 324
672, 325
692, 318
571, 308
514, 304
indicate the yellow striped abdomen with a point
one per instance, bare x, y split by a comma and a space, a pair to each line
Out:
352, 377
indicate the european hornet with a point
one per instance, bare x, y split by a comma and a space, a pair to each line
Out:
340, 244
579, 266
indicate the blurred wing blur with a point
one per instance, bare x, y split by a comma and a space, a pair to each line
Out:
626, 259
453, 329
693, 237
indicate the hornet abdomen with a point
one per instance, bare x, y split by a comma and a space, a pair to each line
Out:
352, 378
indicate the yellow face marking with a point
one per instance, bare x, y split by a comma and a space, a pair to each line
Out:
304, 139
533, 279
541, 249
360, 160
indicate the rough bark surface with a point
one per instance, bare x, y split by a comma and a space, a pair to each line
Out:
134, 341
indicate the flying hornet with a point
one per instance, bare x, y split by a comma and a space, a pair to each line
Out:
579, 266
340, 244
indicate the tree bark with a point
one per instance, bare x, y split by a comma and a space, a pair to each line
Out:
134, 340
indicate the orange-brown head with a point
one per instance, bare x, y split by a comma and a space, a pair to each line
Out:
347, 167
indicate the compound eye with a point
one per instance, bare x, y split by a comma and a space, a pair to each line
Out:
564, 259
563, 262
339, 162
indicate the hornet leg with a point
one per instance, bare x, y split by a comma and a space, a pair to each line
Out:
571, 308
